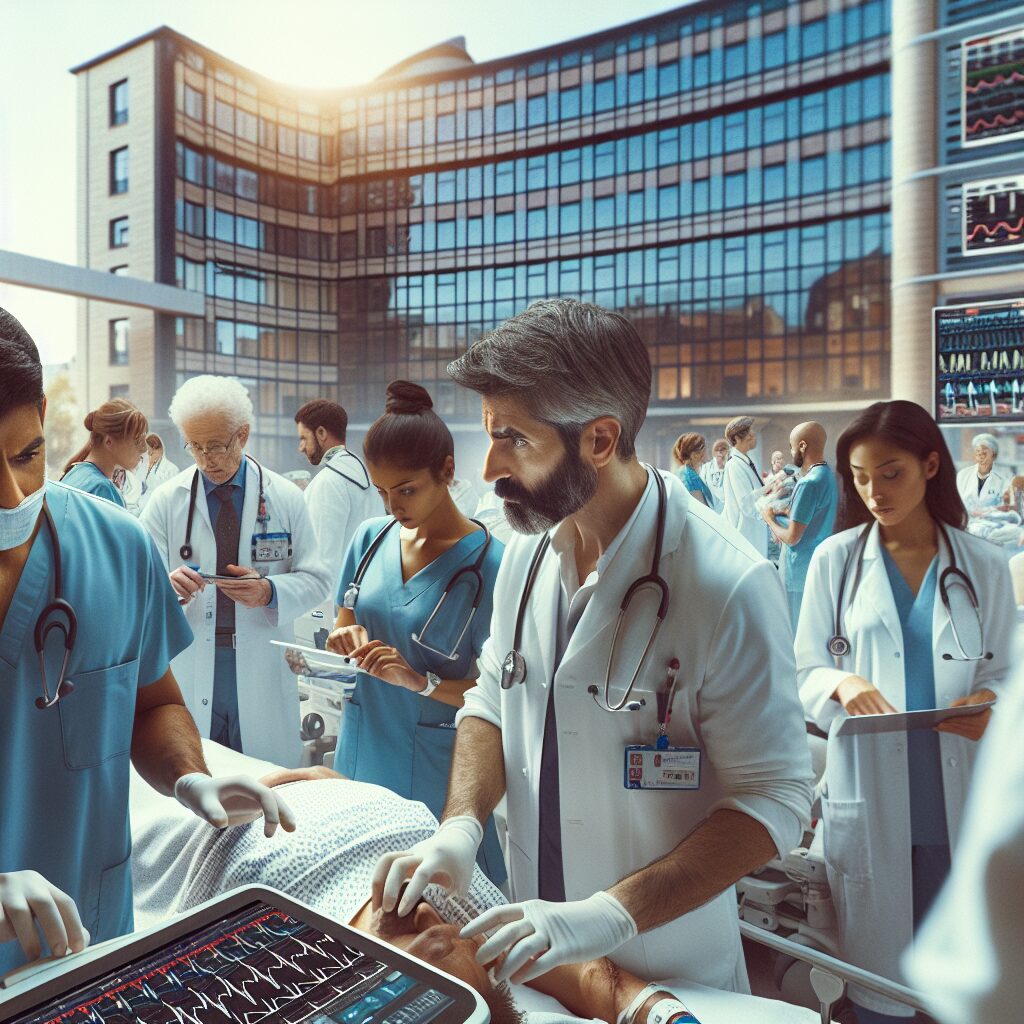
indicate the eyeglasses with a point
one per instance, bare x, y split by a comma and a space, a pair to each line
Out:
211, 451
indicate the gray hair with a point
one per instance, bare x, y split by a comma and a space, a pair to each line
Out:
738, 428
987, 440
569, 363
205, 394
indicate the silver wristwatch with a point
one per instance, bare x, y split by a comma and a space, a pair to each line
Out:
433, 682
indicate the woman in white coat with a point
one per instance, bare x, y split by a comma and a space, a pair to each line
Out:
231, 516
982, 485
906, 637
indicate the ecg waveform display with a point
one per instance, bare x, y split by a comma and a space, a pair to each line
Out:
993, 89
993, 216
261, 966
979, 355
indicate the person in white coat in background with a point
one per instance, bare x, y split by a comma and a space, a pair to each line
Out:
713, 472
968, 958
981, 485
903, 610
231, 516
154, 469
743, 485
340, 496
600, 863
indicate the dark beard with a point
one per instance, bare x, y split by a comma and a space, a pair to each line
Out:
798, 460
566, 489
315, 458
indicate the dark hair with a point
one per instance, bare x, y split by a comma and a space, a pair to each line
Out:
116, 418
502, 1006
686, 445
322, 413
567, 363
21, 373
910, 428
409, 434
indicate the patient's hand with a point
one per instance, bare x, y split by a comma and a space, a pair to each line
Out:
282, 776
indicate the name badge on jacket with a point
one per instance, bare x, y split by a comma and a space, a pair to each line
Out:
271, 547
661, 767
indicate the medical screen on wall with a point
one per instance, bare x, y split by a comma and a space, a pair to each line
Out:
993, 216
979, 361
993, 89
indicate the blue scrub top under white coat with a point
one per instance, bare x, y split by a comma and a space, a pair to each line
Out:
64, 770
88, 477
391, 736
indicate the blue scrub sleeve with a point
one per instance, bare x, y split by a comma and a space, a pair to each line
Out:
164, 632
805, 501
357, 546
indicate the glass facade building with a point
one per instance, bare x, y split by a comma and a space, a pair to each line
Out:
718, 173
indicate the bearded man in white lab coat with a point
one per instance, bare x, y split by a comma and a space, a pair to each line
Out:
599, 862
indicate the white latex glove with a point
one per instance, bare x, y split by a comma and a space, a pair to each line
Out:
26, 898
233, 800
555, 933
446, 858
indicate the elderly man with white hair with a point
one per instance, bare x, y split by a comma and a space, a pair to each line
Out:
231, 518
981, 485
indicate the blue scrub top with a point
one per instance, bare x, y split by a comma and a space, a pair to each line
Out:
814, 503
391, 736
692, 482
927, 799
64, 770
88, 477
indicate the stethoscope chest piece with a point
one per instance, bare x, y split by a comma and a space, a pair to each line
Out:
351, 596
839, 646
513, 670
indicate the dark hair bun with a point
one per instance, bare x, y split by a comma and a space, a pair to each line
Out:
404, 398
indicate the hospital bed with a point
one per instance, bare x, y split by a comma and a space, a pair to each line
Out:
711, 1006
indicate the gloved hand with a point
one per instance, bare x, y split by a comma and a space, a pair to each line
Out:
446, 858
26, 898
555, 933
233, 800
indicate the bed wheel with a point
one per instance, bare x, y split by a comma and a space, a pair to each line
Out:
312, 726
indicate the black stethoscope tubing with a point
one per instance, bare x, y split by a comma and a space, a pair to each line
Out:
186, 549
839, 645
66, 624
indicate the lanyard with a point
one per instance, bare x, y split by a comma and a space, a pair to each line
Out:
665, 697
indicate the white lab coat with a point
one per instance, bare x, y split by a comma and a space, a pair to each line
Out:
338, 499
991, 493
742, 487
967, 957
152, 477
736, 701
268, 698
866, 797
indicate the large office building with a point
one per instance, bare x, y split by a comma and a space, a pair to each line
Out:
719, 173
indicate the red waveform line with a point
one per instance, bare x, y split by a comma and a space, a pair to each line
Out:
999, 119
1000, 79
1012, 229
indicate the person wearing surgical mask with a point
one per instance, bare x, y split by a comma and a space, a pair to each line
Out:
981, 485
82, 575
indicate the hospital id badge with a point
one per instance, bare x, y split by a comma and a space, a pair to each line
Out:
271, 547
650, 767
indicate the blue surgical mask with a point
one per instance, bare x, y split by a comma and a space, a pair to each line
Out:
17, 524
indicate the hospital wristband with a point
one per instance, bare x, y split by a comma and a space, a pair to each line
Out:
627, 1015
665, 1010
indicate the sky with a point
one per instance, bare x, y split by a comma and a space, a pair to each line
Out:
317, 43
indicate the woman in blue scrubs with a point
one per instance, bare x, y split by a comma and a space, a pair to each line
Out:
117, 439
398, 731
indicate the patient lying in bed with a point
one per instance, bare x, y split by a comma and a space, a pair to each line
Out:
328, 862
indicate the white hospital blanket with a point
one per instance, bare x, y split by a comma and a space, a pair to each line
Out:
173, 868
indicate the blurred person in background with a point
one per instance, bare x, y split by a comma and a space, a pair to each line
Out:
117, 438
689, 453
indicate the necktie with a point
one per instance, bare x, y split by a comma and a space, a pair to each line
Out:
226, 533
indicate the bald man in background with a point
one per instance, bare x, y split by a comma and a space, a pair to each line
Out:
812, 511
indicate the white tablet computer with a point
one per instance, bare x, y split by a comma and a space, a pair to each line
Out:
253, 955
901, 721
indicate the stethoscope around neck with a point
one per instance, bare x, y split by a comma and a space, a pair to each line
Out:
351, 595
513, 669
261, 514
57, 616
839, 645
